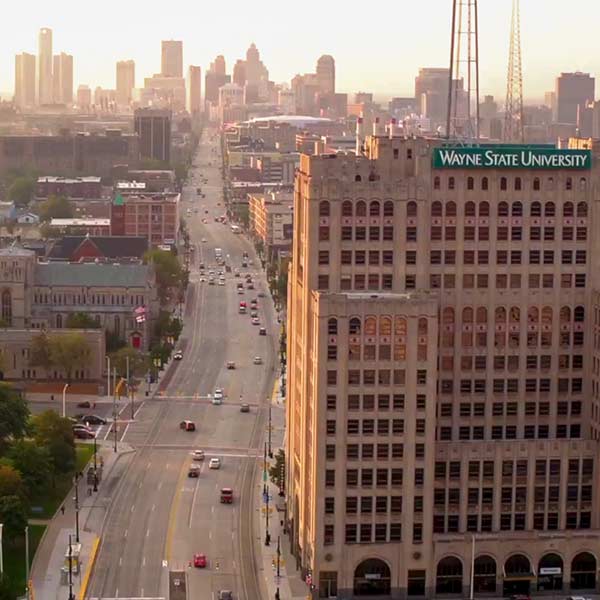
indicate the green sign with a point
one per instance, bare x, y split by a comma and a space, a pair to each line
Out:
510, 157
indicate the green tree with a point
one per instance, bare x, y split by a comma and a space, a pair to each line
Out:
54, 433
21, 190
139, 362
81, 320
69, 352
39, 351
278, 468
33, 462
169, 273
13, 515
55, 207
14, 416
11, 482
6, 589
114, 341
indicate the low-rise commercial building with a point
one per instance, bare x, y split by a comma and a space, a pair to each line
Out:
81, 226
76, 188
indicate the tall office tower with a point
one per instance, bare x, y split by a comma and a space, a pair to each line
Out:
125, 81
442, 398
572, 91
239, 73
214, 79
219, 66
194, 90
326, 74
153, 127
431, 93
84, 97
44, 67
256, 71
172, 58
62, 79
24, 80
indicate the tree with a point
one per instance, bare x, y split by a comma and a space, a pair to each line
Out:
277, 470
139, 362
55, 433
39, 351
33, 463
14, 416
169, 273
69, 352
55, 207
114, 341
81, 320
11, 483
6, 589
13, 515
21, 190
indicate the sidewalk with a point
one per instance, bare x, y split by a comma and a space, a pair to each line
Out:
290, 583
50, 556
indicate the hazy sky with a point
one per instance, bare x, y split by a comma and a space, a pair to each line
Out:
377, 51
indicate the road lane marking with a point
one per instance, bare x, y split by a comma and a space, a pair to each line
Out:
120, 561
125, 534
174, 509
143, 565
132, 507
153, 507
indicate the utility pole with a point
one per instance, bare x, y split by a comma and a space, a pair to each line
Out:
267, 534
76, 499
71, 596
278, 565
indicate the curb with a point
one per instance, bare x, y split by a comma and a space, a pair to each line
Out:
88, 573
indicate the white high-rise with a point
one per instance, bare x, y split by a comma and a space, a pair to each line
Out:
62, 79
44, 67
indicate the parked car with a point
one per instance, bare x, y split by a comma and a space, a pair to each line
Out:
225, 595
84, 404
262, 331
258, 360
230, 364
245, 408
178, 355
93, 419
83, 434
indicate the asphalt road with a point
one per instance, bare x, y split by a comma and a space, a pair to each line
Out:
159, 517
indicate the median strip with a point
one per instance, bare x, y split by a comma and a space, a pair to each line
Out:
88, 572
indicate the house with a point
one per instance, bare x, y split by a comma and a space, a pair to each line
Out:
28, 218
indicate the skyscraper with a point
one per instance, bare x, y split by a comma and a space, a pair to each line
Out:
24, 80
194, 90
326, 74
153, 127
431, 93
125, 81
215, 78
239, 73
573, 91
172, 58
44, 67
62, 79
442, 346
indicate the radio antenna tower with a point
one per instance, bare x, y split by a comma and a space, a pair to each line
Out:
513, 115
463, 83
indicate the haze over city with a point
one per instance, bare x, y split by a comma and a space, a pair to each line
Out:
377, 47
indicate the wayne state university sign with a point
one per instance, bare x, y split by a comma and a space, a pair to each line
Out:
510, 157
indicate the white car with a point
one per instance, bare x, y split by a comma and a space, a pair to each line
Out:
255, 321
257, 360
204, 240
178, 355
198, 455
221, 282
215, 463
219, 393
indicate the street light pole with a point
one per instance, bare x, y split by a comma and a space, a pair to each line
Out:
76, 498
108, 376
64, 400
278, 561
27, 562
95, 466
270, 427
267, 534
115, 407
71, 596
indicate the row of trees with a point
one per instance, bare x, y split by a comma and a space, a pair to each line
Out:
67, 352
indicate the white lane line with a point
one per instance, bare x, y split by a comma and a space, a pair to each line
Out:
153, 507
120, 561
143, 564
125, 432
132, 507
212, 510
148, 465
159, 484
210, 535
125, 534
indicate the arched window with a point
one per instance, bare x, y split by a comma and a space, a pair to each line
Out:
515, 314
373, 176
579, 314
518, 184
449, 576
385, 326
536, 184
503, 209
451, 209
482, 315
388, 208
470, 183
484, 209
451, 183
436, 183
370, 326
517, 209
411, 209
470, 209
517, 564
436, 209
500, 315
399, 326
467, 315
484, 575
547, 315
569, 183
448, 328
374, 209
536, 209
568, 209
372, 578
503, 183
346, 208
582, 209
323, 208
354, 326
6, 307
565, 315
550, 570
582, 183
361, 208
357, 178
484, 183
422, 329
332, 326
533, 315
583, 572
549, 209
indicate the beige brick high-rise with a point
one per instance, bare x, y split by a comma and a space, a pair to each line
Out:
443, 376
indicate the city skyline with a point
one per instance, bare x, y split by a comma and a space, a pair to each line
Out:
386, 66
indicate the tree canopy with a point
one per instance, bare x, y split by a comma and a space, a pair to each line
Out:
81, 320
13, 515
11, 482
14, 415
21, 190
139, 362
66, 351
55, 433
169, 272
55, 207
33, 463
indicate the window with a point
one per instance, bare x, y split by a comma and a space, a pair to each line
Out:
328, 535
323, 233
324, 257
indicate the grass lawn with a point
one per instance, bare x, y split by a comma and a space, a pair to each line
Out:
48, 502
14, 558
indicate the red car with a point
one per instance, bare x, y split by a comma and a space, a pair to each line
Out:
199, 561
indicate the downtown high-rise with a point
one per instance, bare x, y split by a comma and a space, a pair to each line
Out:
62, 79
125, 82
443, 396
44, 86
24, 80
172, 58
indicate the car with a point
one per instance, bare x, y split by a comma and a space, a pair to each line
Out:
211, 281
83, 434
244, 264
255, 321
230, 364
245, 407
257, 360
218, 393
250, 286
194, 471
199, 561
243, 303
187, 425
226, 495
236, 274
241, 292
214, 463
221, 282
198, 455
253, 314
84, 404
225, 595
261, 294
178, 355
202, 280
262, 331
93, 419
204, 240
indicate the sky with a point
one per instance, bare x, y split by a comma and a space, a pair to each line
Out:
377, 50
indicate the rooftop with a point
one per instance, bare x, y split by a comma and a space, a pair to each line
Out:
15, 250
108, 246
80, 222
92, 274
56, 179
